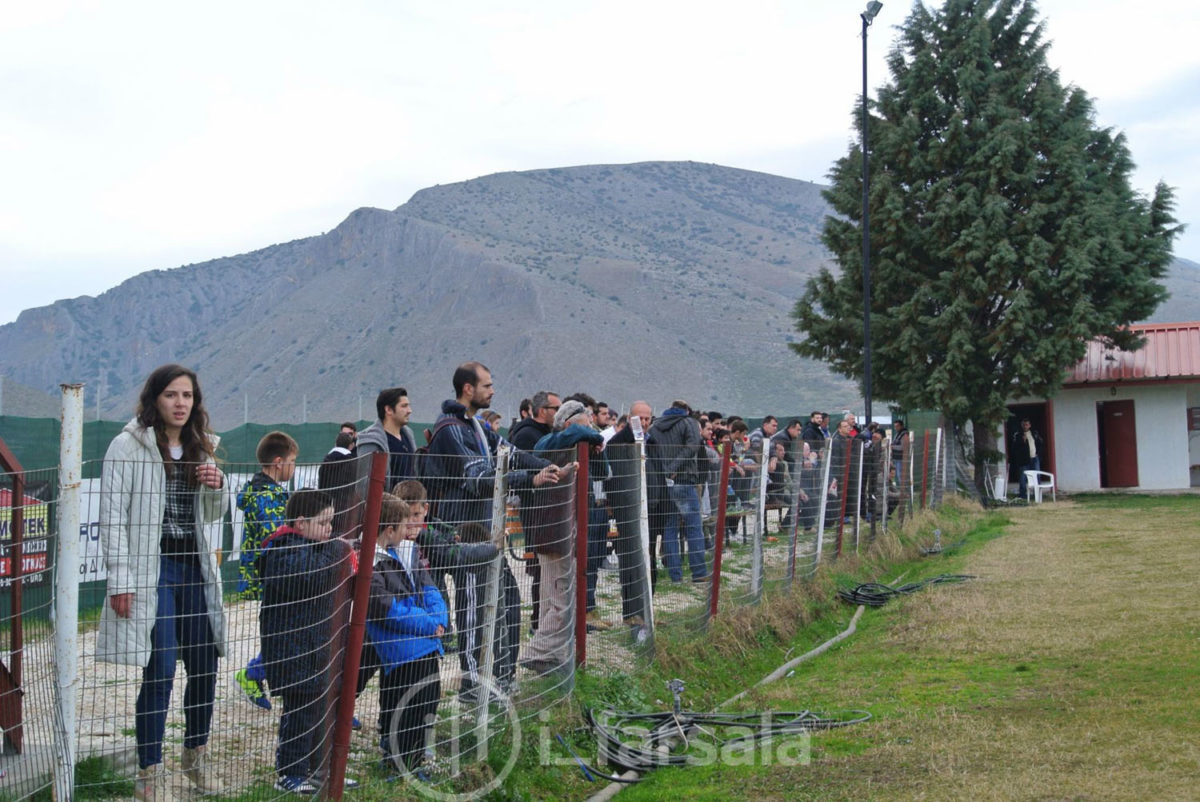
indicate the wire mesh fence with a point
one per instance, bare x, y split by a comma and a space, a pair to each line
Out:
28, 681
262, 627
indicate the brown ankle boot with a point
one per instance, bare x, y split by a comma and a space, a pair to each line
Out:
151, 785
196, 769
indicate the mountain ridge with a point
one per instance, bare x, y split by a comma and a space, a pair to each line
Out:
653, 279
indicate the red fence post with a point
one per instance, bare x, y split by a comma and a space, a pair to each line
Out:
845, 497
719, 540
581, 552
358, 627
9, 463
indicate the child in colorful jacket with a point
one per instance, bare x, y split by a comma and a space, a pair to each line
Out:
262, 501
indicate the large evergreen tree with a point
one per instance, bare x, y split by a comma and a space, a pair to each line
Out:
1004, 231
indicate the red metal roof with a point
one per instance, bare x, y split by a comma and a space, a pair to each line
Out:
1172, 351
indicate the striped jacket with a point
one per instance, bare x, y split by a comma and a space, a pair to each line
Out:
461, 468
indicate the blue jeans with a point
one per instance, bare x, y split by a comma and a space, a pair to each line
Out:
1034, 464
181, 630
298, 750
687, 504
597, 550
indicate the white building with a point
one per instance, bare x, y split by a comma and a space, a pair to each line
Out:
1124, 418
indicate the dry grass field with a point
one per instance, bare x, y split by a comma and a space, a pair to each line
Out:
1068, 670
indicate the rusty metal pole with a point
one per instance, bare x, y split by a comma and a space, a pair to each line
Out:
845, 479
581, 553
719, 540
10, 464
358, 627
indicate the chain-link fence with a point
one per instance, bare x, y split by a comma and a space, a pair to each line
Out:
265, 627
28, 690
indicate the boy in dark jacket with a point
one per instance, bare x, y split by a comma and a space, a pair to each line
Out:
301, 569
406, 618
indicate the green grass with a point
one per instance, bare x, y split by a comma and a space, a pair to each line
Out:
740, 647
1060, 673
1000, 687
94, 779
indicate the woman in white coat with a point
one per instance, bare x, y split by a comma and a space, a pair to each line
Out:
161, 500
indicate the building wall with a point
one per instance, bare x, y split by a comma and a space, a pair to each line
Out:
1193, 400
1160, 412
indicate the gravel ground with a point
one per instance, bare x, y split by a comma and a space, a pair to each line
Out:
243, 737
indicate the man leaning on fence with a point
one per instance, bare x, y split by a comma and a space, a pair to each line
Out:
524, 435
573, 425
461, 468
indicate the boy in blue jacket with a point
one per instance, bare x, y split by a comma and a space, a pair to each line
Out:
406, 618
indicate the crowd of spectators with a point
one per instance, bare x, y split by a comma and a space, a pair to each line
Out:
162, 489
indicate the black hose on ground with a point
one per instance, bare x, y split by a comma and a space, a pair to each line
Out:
875, 594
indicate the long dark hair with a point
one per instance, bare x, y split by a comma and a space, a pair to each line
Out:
194, 434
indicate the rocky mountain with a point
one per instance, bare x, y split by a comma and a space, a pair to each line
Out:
1183, 283
655, 280
22, 401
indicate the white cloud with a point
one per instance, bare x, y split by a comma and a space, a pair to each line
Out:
140, 135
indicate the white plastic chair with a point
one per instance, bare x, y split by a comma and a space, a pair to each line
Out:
1035, 483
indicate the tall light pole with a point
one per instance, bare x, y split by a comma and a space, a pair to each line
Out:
873, 8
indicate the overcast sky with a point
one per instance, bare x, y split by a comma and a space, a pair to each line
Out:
143, 135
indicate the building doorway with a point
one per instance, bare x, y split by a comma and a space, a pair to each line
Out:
1116, 427
1039, 420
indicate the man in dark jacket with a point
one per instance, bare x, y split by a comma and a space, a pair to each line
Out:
525, 434
812, 433
461, 466
675, 451
1026, 453
391, 435
624, 491
789, 438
